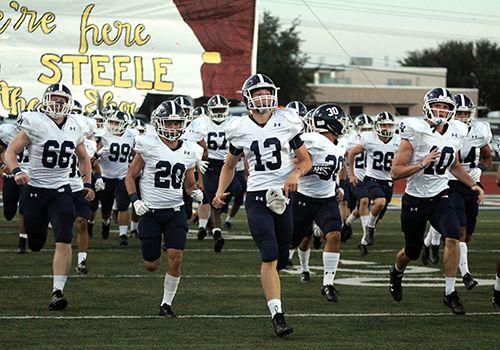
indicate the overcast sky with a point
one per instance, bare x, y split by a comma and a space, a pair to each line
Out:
385, 30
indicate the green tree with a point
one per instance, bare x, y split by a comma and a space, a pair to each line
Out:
470, 64
279, 57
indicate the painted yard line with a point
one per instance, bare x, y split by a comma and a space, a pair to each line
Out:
126, 250
343, 273
100, 317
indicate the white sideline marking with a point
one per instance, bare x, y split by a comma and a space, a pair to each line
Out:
101, 317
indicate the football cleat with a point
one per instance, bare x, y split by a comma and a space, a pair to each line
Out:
105, 231
57, 302
166, 311
345, 232
395, 287
227, 225
21, 245
434, 256
289, 265
305, 277
82, 268
424, 255
363, 249
218, 241
329, 292
281, 328
469, 281
370, 233
123, 240
202, 233
133, 233
454, 303
495, 301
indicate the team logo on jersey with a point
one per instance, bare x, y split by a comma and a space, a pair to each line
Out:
33, 195
277, 124
257, 198
301, 203
414, 209
454, 135
402, 127
187, 153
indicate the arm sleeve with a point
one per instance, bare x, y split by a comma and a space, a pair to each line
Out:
235, 151
296, 142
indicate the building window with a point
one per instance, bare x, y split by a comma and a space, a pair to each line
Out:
355, 110
402, 111
399, 82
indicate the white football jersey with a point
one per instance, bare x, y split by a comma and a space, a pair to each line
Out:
478, 136
360, 159
7, 133
118, 155
379, 154
50, 149
75, 179
433, 179
267, 148
327, 161
162, 180
196, 130
217, 145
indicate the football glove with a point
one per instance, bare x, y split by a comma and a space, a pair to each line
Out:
197, 195
276, 200
99, 185
140, 207
202, 166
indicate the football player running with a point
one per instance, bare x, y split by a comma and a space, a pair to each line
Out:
359, 200
52, 137
267, 138
196, 131
82, 206
475, 157
380, 146
167, 165
429, 147
218, 111
317, 193
115, 150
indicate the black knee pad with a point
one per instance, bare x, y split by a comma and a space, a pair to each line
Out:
412, 253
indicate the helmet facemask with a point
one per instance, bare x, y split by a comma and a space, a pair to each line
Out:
57, 104
385, 128
469, 114
115, 125
165, 127
262, 103
434, 114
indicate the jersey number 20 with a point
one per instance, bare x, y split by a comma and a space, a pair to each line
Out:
176, 174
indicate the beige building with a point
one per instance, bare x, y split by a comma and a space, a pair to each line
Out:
371, 90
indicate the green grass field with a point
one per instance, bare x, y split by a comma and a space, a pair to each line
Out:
221, 305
